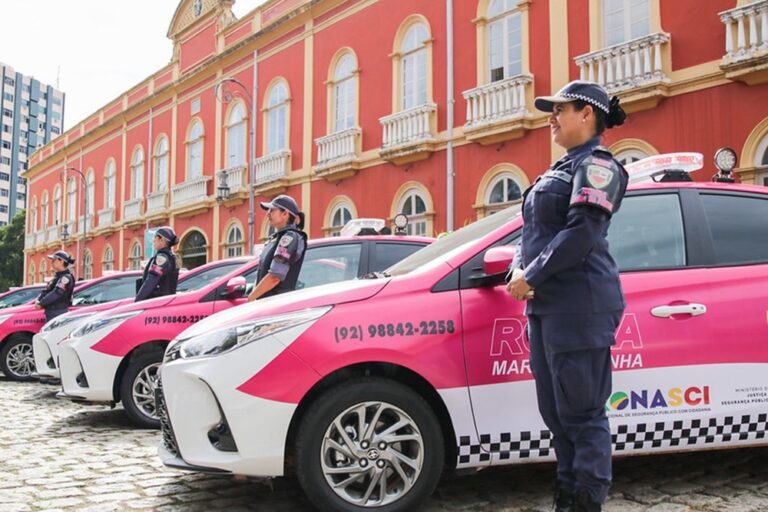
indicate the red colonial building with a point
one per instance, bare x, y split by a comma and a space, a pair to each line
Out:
368, 108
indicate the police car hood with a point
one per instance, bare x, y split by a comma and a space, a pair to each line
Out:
317, 296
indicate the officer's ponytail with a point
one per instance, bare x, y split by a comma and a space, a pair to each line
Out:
616, 116
301, 218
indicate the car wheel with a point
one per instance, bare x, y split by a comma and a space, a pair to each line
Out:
371, 444
16, 359
137, 389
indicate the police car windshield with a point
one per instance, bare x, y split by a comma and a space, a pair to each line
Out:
443, 246
197, 279
17, 297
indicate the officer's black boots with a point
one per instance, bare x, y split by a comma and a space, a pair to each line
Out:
564, 501
584, 502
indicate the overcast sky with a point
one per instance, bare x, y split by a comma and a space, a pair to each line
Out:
97, 49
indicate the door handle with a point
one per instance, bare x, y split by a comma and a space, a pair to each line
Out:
682, 309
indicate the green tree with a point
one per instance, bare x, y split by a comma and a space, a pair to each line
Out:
12, 253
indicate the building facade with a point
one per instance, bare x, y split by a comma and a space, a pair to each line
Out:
32, 115
368, 108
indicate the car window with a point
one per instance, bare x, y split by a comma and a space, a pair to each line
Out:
388, 253
329, 264
203, 277
106, 291
647, 233
739, 228
19, 297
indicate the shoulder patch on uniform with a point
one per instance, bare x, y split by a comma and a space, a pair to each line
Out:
161, 259
286, 240
602, 162
599, 177
63, 282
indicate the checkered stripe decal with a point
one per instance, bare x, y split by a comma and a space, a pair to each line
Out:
642, 436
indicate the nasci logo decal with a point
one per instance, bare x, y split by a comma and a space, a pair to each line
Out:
652, 399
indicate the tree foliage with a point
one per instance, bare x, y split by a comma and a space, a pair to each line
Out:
12, 253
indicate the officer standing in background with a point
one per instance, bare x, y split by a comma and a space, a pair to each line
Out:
571, 283
283, 254
161, 275
56, 298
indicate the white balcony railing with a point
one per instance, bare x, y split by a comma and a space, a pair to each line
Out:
234, 178
337, 147
85, 224
497, 101
106, 217
627, 65
272, 167
52, 234
749, 25
408, 127
190, 191
29, 240
132, 208
157, 201
40, 237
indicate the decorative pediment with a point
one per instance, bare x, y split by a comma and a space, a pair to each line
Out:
190, 11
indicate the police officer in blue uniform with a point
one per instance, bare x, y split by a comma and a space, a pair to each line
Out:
56, 298
161, 274
283, 254
564, 270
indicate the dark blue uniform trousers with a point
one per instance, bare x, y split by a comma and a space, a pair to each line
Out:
572, 388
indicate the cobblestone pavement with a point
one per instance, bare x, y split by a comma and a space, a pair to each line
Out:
58, 455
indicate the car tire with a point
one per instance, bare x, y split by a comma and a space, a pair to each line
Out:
16, 358
137, 389
388, 483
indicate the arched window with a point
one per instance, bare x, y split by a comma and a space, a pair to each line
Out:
108, 263
87, 265
33, 217
624, 20
344, 93
161, 164
44, 212
137, 173
234, 245
505, 41
277, 118
761, 162
267, 231
236, 136
71, 200
415, 208
43, 271
134, 260
195, 151
109, 185
630, 155
339, 218
90, 192
502, 192
413, 73
194, 250
31, 276
57, 206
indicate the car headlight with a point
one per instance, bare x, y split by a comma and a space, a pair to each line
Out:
224, 340
101, 323
3, 318
61, 321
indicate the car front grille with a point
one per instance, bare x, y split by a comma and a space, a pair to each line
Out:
169, 439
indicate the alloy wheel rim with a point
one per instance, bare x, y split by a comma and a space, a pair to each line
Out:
20, 360
143, 391
372, 454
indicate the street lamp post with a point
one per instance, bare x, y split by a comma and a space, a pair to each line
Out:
85, 212
222, 194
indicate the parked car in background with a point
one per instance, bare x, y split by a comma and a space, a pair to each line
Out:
114, 356
367, 390
18, 296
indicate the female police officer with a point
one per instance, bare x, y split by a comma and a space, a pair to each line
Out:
564, 270
57, 295
161, 274
283, 254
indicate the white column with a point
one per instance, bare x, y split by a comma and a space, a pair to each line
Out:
741, 36
752, 30
729, 37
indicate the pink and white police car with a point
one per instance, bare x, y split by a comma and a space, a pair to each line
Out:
19, 324
367, 390
45, 344
114, 356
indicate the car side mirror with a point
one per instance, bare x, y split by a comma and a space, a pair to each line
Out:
236, 287
496, 262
